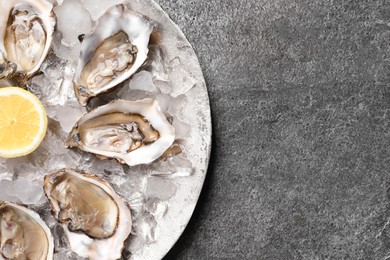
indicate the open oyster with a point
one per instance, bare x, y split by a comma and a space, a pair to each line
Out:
133, 132
26, 31
23, 234
112, 53
96, 220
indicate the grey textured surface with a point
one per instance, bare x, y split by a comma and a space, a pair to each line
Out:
300, 98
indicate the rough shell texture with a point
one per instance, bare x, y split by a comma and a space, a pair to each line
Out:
25, 40
23, 234
82, 203
102, 53
148, 152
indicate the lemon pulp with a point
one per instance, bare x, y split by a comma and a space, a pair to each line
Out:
23, 122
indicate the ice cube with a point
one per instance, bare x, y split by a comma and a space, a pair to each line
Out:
157, 69
156, 62
51, 68
146, 228
21, 191
176, 108
63, 52
52, 154
135, 244
163, 101
72, 20
139, 87
55, 86
181, 79
67, 116
160, 188
135, 183
4, 173
136, 201
156, 207
176, 166
37, 87
97, 8
143, 81
163, 86
183, 165
65, 94
133, 95
182, 130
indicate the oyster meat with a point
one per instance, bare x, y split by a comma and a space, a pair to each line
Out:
26, 32
133, 132
96, 220
23, 234
112, 53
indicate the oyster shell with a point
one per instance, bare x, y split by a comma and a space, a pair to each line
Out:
96, 220
112, 53
23, 234
26, 32
133, 132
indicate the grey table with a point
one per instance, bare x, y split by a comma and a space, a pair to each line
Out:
300, 98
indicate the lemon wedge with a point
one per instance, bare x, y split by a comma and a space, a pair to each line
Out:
23, 122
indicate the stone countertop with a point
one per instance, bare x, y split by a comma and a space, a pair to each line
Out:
300, 99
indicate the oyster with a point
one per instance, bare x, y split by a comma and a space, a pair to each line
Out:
23, 234
133, 132
112, 53
26, 32
96, 220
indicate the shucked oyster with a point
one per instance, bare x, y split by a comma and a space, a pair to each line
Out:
133, 132
26, 30
23, 234
96, 220
112, 53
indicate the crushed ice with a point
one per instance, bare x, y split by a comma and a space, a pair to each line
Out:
147, 189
